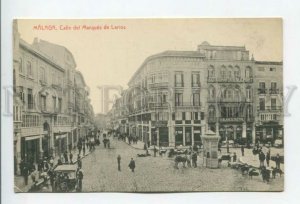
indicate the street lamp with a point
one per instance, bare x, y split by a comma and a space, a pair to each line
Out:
227, 141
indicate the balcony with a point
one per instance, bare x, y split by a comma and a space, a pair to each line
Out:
229, 80
188, 106
269, 117
159, 85
274, 91
262, 91
212, 119
235, 119
211, 79
269, 108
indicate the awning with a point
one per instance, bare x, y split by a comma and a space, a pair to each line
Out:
33, 137
60, 136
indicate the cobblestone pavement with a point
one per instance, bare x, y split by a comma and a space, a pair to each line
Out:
157, 174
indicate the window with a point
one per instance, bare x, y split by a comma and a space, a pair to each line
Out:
211, 92
272, 69
21, 66
211, 112
273, 89
273, 103
223, 73
43, 103
164, 98
188, 116
248, 72
211, 72
42, 74
237, 74
59, 105
196, 116
196, 99
29, 69
178, 99
261, 104
249, 93
178, 116
195, 79
54, 103
230, 72
29, 99
179, 79
262, 87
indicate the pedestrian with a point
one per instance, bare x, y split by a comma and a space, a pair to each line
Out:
71, 157
66, 157
277, 161
262, 158
25, 173
79, 179
21, 166
242, 150
59, 162
234, 157
189, 158
108, 143
119, 162
83, 150
154, 151
79, 162
194, 159
132, 165
268, 157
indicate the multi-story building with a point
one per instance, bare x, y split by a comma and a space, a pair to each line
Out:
44, 102
269, 100
176, 96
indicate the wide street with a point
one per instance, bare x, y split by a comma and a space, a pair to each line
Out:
157, 174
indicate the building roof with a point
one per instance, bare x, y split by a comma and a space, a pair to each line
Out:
40, 54
268, 63
169, 53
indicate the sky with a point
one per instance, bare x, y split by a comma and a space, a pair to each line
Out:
110, 54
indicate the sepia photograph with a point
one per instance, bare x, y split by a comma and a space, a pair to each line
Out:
148, 105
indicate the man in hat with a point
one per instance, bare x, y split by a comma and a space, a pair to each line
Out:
132, 165
79, 176
119, 162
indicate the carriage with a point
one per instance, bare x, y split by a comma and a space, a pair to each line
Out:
65, 178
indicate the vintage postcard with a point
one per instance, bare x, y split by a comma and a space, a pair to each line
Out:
148, 105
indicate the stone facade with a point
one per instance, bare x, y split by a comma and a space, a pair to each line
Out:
175, 97
50, 100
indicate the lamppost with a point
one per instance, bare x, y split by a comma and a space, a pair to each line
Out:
227, 141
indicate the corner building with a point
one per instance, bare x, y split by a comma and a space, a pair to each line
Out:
176, 96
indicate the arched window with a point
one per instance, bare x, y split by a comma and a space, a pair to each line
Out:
223, 72
230, 72
211, 93
211, 112
237, 73
248, 72
237, 95
211, 72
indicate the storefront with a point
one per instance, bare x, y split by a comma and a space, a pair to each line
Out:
178, 136
31, 149
61, 144
163, 136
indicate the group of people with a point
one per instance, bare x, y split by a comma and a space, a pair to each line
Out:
131, 164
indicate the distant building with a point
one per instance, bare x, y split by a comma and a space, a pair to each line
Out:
176, 96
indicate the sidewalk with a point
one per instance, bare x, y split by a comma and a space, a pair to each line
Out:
19, 184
